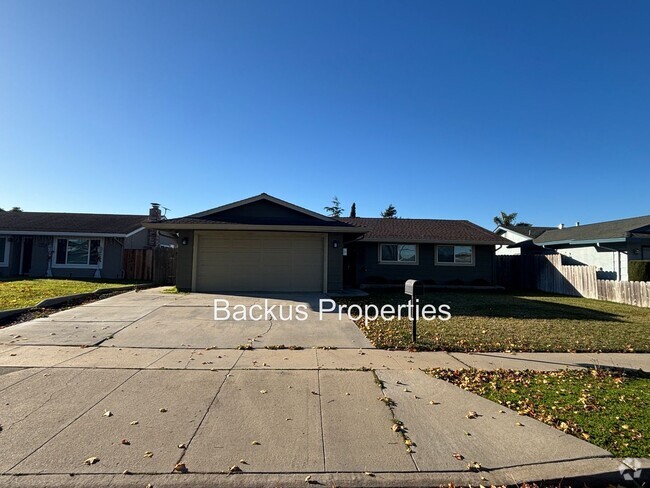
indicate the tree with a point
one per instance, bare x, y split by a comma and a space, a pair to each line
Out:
523, 224
506, 219
16, 209
335, 210
353, 210
390, 212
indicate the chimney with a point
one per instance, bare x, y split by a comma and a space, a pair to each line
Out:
155, 215
561, 226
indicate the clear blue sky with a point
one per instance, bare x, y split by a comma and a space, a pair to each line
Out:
445, 109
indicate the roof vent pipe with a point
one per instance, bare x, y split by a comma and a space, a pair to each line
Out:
561, 226
577, 224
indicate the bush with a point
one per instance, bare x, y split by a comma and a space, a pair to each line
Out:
638, 270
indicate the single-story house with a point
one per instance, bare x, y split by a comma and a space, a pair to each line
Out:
522, 237
72, 245
607, 245
263, 243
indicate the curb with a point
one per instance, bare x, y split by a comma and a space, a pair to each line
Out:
54, 301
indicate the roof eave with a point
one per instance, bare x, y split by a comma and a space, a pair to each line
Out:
581, 242
58, 233
257, 227
435, 241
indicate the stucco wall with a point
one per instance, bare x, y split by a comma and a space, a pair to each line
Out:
368, 267
605, 260
335, 263
184, 261
514, 237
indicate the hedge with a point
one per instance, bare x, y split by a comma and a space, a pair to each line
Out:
638, 270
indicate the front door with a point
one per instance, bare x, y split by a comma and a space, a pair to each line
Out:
26, 255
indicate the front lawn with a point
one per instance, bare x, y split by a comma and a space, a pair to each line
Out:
607, 408
494, 321
22, 293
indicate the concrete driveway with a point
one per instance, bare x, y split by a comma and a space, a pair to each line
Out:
119, 391
151, 319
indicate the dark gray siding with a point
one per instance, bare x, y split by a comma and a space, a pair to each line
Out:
369, 270
268, 213
334, 263
184, 261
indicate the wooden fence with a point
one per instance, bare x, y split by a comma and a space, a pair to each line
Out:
547, 273
156, 265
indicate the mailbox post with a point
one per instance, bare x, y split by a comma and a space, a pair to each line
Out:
414, 288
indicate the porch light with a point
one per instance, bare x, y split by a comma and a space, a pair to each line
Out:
335, 244
184, 241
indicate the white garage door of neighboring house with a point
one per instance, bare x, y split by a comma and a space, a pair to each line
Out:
258, 261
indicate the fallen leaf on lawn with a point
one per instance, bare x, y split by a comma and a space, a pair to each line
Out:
91, 460
148, 454
107, 413
458, 456
180, 468
471, 415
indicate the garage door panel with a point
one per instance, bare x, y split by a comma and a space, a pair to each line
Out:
259, 261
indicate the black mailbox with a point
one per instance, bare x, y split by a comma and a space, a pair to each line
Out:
415, 288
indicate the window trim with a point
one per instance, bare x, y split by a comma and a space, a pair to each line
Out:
398, 262
4, 259
55, 247
440, 263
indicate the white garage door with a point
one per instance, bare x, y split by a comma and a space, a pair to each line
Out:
259, 261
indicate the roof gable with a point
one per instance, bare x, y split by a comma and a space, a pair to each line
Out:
528, 231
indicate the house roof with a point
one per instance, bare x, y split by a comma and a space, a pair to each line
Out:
261, 212
601, 231
69, 223
530, 231
425, 230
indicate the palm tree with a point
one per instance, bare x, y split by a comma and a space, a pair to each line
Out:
506, 219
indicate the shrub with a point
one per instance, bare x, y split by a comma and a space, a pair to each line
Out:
638, 270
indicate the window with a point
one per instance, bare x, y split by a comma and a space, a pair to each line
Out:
78, 253
398, 253
455, 255
4, 251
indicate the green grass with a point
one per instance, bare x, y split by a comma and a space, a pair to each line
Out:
493, 321
608, 408
22, 293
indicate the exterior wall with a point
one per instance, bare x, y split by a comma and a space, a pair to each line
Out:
184, 261
613, 262
334, 263
7, 270
369, 269
514, 237
139, 240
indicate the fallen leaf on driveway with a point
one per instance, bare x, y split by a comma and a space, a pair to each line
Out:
107, 413
162, 410
125, 442
396, 427
471, 415
458, 456
255, 443
263, 392
148, 454
182, 446
126, 471
368, 473
135, 422
234, 469
180, 468
91, 460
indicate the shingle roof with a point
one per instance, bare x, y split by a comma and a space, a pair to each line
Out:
69, 222
527, 230
590, 232
425, 230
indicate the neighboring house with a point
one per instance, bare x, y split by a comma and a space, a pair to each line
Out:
522, 236
71, 245
607, 245
266, 244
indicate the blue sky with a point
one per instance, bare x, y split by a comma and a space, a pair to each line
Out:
445, 109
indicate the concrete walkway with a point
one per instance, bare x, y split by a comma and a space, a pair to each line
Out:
279, 416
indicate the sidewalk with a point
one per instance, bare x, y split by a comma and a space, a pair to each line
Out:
278, 415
